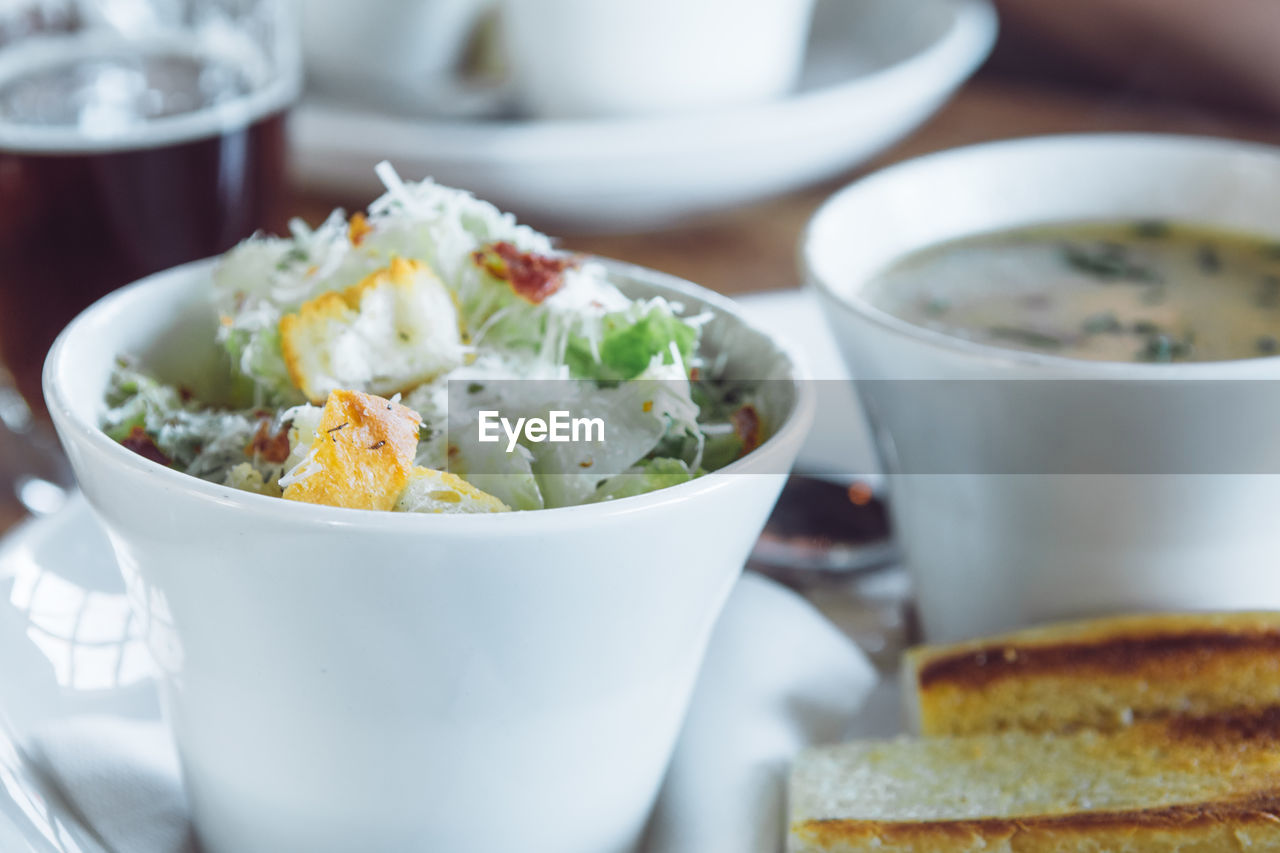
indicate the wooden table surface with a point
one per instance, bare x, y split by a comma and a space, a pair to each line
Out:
754, 248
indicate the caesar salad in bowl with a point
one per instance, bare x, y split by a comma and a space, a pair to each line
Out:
339, 676
429, 311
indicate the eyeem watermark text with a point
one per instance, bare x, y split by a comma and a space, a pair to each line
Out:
558, 426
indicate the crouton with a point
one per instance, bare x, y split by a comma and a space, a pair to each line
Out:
362, 455
435, 491
391, 332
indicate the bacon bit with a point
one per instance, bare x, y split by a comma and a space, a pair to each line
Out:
185, 394
532, 277
695, 373
860, 494
586, 463
357, 228
453, 451
376, 445
746, 424
140, 442
272, 448
647, 406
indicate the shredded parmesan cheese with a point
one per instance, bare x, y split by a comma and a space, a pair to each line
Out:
302, 470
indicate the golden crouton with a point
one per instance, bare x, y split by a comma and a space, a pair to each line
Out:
435, 491
391, 332
362, 455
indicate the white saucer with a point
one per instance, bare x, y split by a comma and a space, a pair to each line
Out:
874, 71
68, 646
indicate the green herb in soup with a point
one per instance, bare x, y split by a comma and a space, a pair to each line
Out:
1148, 290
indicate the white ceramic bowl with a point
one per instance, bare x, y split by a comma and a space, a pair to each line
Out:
342, 680
991, 551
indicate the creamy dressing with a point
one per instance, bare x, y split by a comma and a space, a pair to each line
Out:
1130, 291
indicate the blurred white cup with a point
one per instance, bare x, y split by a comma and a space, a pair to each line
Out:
405, 55
587, 58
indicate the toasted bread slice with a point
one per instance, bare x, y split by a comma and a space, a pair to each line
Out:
432, 491
1183, 785
361, 456
1100, 673
391, 332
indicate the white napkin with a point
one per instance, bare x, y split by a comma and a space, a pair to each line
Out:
777, 678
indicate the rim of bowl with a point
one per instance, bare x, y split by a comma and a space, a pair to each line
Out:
791, 430
850, 298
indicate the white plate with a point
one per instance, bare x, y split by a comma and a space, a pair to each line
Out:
68, 646
875, 69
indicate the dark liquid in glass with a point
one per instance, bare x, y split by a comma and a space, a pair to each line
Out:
77, 221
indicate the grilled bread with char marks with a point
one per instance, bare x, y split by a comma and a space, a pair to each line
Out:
1098, 673
1151, 732
1159, 786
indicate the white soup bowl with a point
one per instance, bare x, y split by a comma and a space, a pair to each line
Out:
1011, 507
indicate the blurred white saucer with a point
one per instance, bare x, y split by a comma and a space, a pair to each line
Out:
875, 69
70, 646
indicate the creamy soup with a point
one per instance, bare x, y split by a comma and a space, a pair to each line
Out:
1119, 291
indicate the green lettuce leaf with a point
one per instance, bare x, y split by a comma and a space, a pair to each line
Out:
648, 476
628, 344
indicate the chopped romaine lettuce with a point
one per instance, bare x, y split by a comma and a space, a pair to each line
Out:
723, 445
489, 467
648, 476
628, 342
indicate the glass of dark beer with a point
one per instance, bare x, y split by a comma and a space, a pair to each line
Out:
134, 135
